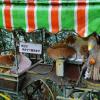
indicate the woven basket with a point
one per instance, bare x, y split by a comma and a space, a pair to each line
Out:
6, 59
92, 85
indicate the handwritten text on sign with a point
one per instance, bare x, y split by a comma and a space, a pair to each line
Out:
30, 48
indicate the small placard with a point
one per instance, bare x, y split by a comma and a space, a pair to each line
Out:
30, 48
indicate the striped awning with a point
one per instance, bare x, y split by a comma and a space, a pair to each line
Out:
83, 16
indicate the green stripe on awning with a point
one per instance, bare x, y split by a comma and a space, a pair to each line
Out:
1, 17
42, 15
94, 18
67, 16
18, 14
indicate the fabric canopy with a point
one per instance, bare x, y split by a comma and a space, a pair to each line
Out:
83, 16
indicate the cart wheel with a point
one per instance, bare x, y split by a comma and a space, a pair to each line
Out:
38, 90
4, 97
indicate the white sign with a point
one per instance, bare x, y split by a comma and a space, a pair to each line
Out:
30, 48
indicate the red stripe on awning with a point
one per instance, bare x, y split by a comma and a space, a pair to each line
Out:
81, 17
7, 14
31, 15
55, 16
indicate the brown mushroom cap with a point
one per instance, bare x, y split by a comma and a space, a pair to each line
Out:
61, 52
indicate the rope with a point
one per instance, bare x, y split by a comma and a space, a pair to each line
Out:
4, 96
